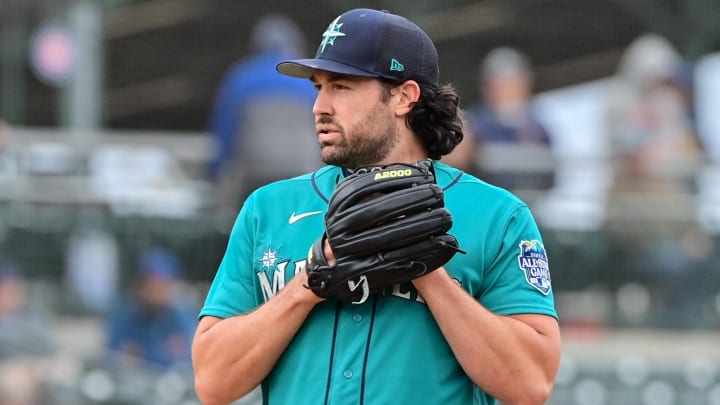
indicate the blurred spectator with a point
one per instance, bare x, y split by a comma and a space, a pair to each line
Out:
512, 146
23, 340
261, 122
153, 328
650, 119
656, 154
21, 331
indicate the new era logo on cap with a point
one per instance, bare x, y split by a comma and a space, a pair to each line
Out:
371, 43
395, 65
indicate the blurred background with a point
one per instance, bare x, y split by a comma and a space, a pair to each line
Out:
131, 130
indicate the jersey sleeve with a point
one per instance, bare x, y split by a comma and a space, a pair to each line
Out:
518, 279
231, 292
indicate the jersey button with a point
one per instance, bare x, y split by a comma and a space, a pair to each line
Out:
357, 317
347, 374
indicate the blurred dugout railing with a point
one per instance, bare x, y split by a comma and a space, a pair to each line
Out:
145, 189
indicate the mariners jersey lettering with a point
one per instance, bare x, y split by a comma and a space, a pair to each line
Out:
388, 349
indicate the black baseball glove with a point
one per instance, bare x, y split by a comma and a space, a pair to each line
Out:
385, 224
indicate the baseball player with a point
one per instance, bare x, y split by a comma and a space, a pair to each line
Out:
386, 277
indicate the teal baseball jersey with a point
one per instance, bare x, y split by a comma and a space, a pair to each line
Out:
388, 350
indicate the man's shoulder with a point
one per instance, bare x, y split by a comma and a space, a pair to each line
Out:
455, 182
449, 177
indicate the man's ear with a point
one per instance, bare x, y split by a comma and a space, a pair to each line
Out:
408, 94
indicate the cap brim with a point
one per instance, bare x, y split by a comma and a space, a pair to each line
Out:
305, 68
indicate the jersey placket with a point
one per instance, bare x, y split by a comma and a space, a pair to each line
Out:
354, 327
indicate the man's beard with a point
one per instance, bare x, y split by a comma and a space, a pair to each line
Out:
367, 144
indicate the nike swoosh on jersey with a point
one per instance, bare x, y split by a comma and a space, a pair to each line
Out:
294, 218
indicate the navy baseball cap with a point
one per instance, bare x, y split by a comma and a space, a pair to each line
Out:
372, 43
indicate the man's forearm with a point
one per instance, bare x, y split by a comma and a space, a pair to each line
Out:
512, 358
232, 356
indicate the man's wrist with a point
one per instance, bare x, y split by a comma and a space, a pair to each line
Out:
300, 291
430, 278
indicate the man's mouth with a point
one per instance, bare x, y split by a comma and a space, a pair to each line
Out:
326, 134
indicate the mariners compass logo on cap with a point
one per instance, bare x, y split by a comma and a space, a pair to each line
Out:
331, 34
371, 43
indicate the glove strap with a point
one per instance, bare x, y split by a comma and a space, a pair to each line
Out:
317, 267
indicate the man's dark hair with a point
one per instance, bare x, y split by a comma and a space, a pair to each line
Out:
435, 118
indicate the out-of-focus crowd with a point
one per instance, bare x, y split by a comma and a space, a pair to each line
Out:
146, 336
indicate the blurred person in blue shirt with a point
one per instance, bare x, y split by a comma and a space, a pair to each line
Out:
261, 122
504, 116
153, 328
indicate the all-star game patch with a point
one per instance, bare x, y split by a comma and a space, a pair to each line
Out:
533, 262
